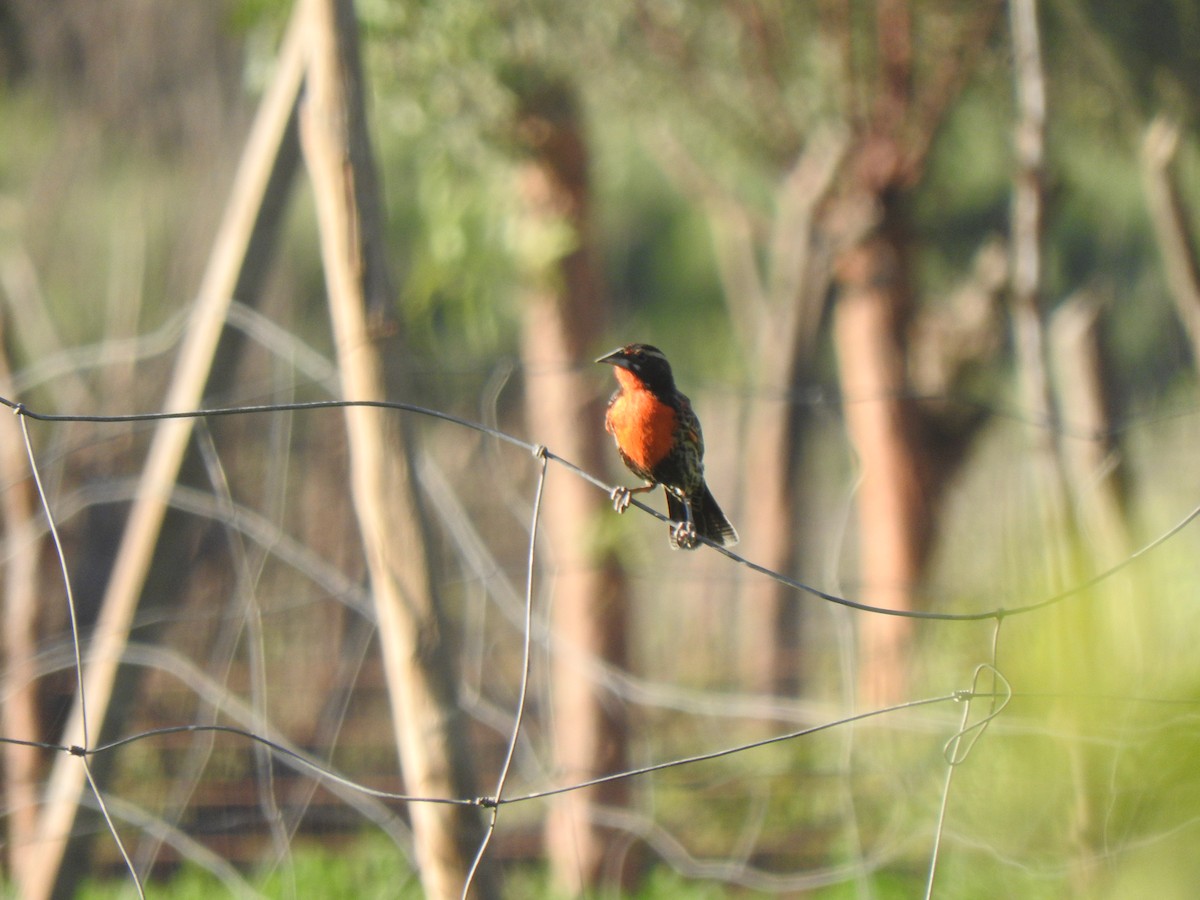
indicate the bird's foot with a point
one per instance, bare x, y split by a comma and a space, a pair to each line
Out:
683, 535
621, 497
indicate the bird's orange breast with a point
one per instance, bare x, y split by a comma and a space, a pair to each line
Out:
644, 426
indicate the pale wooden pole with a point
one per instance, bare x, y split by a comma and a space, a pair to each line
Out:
19, 711
428, 724
1029, 327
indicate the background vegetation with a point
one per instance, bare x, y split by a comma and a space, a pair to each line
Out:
810, 208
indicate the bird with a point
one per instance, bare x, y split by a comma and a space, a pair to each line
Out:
658, 438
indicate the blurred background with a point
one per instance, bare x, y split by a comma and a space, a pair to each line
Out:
927, 271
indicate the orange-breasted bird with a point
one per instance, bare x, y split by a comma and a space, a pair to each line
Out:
658, 437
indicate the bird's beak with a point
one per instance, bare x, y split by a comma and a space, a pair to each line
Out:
616, 358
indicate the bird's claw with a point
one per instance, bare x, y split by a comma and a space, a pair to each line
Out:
683, 535
621, 498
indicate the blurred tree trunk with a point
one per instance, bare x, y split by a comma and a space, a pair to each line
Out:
873, 315
787, 315
1096, 476
906, 450
1029, 317
774, 288
1080, 634
417, 653
563, 314
789, 302
1095, 471
894, 497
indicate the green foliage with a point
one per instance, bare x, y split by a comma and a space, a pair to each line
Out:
369, 869
1152, 45
441, 112
657, 251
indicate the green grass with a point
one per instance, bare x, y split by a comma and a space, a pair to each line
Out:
372, 868
369, 868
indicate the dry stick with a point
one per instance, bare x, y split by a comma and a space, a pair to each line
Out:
165, 457
413, 640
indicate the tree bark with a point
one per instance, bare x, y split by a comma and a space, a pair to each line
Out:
563, 311
894, 515
906, 450
417, 652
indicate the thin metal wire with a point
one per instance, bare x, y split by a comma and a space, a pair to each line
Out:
997, 613
526, 651
62, 562
730, 751
112, 826
83, 718
956, 754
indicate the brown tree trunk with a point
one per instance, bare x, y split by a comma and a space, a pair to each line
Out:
589, 598
903, 467
871, 322
769, 619
871, 318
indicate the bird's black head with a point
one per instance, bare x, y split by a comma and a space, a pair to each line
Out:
648, 364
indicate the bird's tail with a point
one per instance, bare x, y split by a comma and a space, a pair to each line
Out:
710, 522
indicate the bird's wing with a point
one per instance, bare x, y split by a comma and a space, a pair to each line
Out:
689, 423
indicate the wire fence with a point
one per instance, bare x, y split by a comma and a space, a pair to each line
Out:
982, 695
